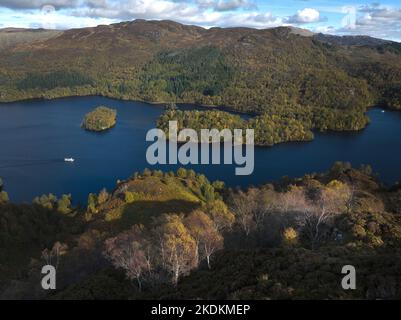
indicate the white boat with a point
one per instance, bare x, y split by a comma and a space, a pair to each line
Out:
69, 159
383, 111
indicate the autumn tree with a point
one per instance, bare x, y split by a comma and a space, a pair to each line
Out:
208, 192
129, 251
207, 239
243, 210
52, 257
64, 204
46, 201
314, 214
92, 203
103, 196
4, 197
177, 245
290, 237
182, 173
294, 200
221, 216
333, 200
251, 207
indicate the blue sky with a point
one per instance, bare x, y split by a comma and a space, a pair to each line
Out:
377, 19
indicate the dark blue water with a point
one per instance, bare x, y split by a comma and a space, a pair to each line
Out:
35, 137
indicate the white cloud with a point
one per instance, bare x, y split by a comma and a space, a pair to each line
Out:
374, 20
324, 29
134, 9
307, 15
35, 4
226, 5
229, 5
377, 21
207, 13
251, 20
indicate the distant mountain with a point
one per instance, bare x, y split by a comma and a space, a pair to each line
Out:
302, 32
10, 37
325, 82
351, 40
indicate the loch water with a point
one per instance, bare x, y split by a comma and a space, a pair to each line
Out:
36, 136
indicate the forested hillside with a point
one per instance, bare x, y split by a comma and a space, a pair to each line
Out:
278, 72
269, 129
176, 235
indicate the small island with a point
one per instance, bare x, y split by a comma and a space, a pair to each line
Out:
100, 119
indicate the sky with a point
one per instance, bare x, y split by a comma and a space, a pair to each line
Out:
340, 17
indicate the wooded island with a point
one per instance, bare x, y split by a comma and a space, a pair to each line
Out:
100, 119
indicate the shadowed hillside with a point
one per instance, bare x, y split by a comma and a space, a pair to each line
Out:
177, 236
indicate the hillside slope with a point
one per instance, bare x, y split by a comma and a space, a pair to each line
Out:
286, 240
280, 71
10, 37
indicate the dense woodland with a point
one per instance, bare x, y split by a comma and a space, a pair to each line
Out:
269, 129
52, 80
323, 83
100, 119
290, 123
176, 235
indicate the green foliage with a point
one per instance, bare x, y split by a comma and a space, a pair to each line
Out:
290, 237
183, 216
50, 202
146, 196
54, 80
198, 120
92, 203
25, 230
272, 72
100, 119
4, 197
208, 192
182, 173
218, 185
392, 96
394, 47
64, 204
292, 273
46, 201
269, 130
334, 89
203, 71
280, 124
384, 77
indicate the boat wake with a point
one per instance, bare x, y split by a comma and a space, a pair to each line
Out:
30, 163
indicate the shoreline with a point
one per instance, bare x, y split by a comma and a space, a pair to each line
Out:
155, 103
207, 107
376, 115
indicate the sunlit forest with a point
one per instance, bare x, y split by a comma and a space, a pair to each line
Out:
274, 72
162, 235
